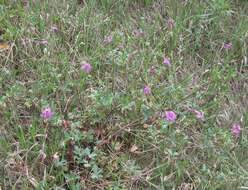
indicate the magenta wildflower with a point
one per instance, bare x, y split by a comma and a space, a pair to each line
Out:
108, 39
170, 116
147, 90
86, 67
236, 129
47, 113
170, 23
166, 61
199, 114
227, 46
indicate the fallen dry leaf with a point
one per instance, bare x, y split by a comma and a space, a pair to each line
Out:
4, 45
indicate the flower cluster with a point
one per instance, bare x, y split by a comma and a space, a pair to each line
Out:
86, 67
170, 115
47, 113
236, 130
147, 90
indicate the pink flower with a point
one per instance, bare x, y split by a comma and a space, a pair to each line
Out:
199, 114
166, 61
108, 39
147, 90
170, 23
236, 129
47, 113
86, 67
170, 116
227, 46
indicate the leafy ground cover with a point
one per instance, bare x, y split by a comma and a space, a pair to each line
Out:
124, 94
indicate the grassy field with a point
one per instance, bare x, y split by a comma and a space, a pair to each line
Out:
124, 94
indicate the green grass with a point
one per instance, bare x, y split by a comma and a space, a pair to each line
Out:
105, 133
